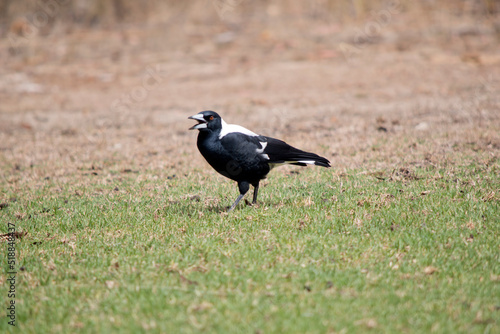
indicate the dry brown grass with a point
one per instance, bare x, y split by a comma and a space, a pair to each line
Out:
423, 90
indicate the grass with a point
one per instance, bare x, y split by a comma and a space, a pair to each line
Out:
404, 250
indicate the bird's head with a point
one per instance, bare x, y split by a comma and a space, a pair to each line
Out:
207, 120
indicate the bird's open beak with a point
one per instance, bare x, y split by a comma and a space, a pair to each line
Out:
202, 123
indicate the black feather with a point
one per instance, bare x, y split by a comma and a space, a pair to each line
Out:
280, 152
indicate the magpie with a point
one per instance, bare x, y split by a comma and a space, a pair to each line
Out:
244, 156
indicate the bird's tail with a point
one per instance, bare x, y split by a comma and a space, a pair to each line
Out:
307, 158
280, 152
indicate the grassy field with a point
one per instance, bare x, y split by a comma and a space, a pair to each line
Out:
404, 250
122, 226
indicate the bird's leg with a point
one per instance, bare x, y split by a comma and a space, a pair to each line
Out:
236, 202
243, 187
255, 192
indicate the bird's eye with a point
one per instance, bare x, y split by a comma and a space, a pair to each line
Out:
211, 118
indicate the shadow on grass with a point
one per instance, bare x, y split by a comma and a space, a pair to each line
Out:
190, 208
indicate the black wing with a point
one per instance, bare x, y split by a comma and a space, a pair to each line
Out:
253, 149
243, 147
280, 152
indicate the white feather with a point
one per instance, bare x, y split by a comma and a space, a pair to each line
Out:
276, 164
263, 144
230, 128
309, 162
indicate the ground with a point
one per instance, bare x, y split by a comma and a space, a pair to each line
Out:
102, 111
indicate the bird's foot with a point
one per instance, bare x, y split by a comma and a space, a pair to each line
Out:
248, 203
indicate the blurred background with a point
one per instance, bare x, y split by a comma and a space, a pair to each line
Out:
88, 82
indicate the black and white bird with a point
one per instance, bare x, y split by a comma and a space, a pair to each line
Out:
244, 156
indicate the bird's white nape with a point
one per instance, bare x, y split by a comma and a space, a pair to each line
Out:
230, 128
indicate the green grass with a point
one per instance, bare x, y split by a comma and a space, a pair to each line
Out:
324, 251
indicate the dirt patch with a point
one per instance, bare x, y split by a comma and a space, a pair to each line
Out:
423, 91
